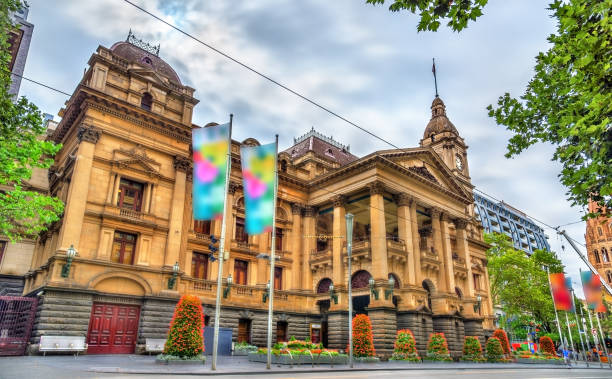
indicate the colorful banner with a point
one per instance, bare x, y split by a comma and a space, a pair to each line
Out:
258, 176
210, 150
561, 294
591, 284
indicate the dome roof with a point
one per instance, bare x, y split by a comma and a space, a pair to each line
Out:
439, 123
135, 54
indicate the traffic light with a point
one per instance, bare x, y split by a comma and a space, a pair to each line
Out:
213, 248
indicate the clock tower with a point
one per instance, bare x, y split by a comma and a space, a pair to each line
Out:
442, 136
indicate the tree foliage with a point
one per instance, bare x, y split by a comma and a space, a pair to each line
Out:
432, 12
23, 211
495, 353
519, 282
185, 337
437, 348
472, 350
363, 340
405, 347
567, 103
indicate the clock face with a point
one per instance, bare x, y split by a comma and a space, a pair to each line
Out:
459, 162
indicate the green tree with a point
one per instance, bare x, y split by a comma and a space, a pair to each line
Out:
567, 103
519, 282
23, 212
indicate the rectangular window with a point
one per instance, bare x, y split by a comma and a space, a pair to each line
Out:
279, 239
130, 194
240, 271
241, 234
124, 246
278, 278
2, 248
476, 278
199, 265
201, 226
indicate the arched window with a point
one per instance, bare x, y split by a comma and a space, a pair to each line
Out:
428, 286
360, 279
396, 279
323, 286
609, 275
604, 255
596, 254
146, 101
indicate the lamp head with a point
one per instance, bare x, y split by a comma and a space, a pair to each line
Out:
268, 285
391, 282
331, 287
176, 267
71, 252
229, 279
371, 282
479, 298
349, 226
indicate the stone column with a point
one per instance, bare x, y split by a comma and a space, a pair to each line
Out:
404, 222
308, 245
76, 202
437, 242
229, 227
384, 329
338, 231
378, 234
416, 244
448, 254
173, 247
337, 329
464, 252
115, 195
111, 187
296, 244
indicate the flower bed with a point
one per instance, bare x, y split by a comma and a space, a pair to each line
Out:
166, 359
243, 348
298, 357
535, 359
437, 348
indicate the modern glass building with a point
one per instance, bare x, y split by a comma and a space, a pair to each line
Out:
502, 218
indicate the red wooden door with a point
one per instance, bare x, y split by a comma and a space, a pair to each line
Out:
113, 329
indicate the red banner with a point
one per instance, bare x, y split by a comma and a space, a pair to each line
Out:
561, 294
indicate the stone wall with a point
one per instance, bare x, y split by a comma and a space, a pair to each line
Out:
11, 285
155, 317
337, 330
61, 313
473, 327
421, 325
453, 329
385, 330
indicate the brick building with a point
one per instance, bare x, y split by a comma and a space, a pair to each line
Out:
598, 238
125, 175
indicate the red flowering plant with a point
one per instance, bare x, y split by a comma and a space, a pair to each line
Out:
185, 338
405, 347
363, 341
472, 351
501, 335
547, 346
437, 348
495, 352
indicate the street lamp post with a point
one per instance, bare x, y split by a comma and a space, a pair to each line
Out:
70, 253
349, 249
172, 280
226, 291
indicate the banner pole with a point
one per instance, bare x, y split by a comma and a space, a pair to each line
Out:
555, 307
222, 248
578, 327
272, 260
569, 332
349, 251
603, 340
595, 341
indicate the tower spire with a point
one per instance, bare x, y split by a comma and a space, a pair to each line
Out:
433, 70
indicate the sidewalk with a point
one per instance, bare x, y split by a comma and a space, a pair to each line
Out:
143, 364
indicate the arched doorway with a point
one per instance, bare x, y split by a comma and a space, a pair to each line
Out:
360, 280
323, 285
429, 287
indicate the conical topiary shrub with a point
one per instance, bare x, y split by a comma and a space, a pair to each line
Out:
501, 335
363, 341
472, 351
547, 346
495, 353
437, 348
405, 347
185, 338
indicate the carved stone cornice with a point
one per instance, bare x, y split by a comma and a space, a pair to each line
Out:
403, 199
309, 211
461, 223
445, 217
338, 201
182, 163
88, 134
297, 208
377, 188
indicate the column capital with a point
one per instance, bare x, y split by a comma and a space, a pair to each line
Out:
309, 211
445, 217
297, 208
376, 188
436, 213
403, 199
232, 187
461, 223
88, 134
338, 201
181, 163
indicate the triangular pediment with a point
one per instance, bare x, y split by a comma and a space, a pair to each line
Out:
151, 76
136, 159
428, 166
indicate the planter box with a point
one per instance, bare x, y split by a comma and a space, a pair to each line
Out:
180, 362
243, 352
530, 361
286, 359
366, 359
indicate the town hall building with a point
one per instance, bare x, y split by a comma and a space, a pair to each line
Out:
125, 175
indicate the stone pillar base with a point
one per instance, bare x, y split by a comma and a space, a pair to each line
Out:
453, 329
384, 329
421, 326
473, 327
337, 330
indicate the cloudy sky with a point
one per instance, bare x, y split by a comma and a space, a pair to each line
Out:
364, 62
